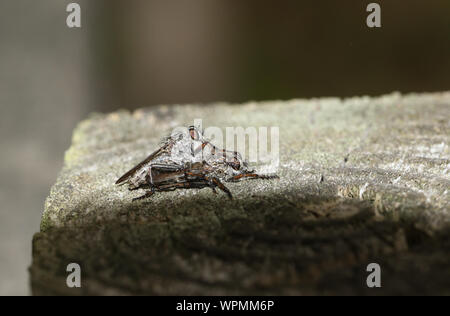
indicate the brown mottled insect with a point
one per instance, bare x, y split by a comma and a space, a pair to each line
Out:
188, 161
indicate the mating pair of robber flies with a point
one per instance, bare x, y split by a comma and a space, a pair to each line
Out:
186, 160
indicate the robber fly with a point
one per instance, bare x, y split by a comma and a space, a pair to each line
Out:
186, 160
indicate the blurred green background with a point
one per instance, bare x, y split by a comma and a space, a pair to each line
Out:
135, 53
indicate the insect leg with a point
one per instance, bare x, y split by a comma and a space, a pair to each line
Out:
221, 186
146, 195
171, 187
200, 176
252, 176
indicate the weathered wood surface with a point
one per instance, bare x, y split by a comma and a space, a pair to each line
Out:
384, 198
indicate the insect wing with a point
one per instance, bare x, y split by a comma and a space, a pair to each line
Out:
133, 171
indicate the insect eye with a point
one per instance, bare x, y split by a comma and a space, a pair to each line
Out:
193, 133
235, 164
